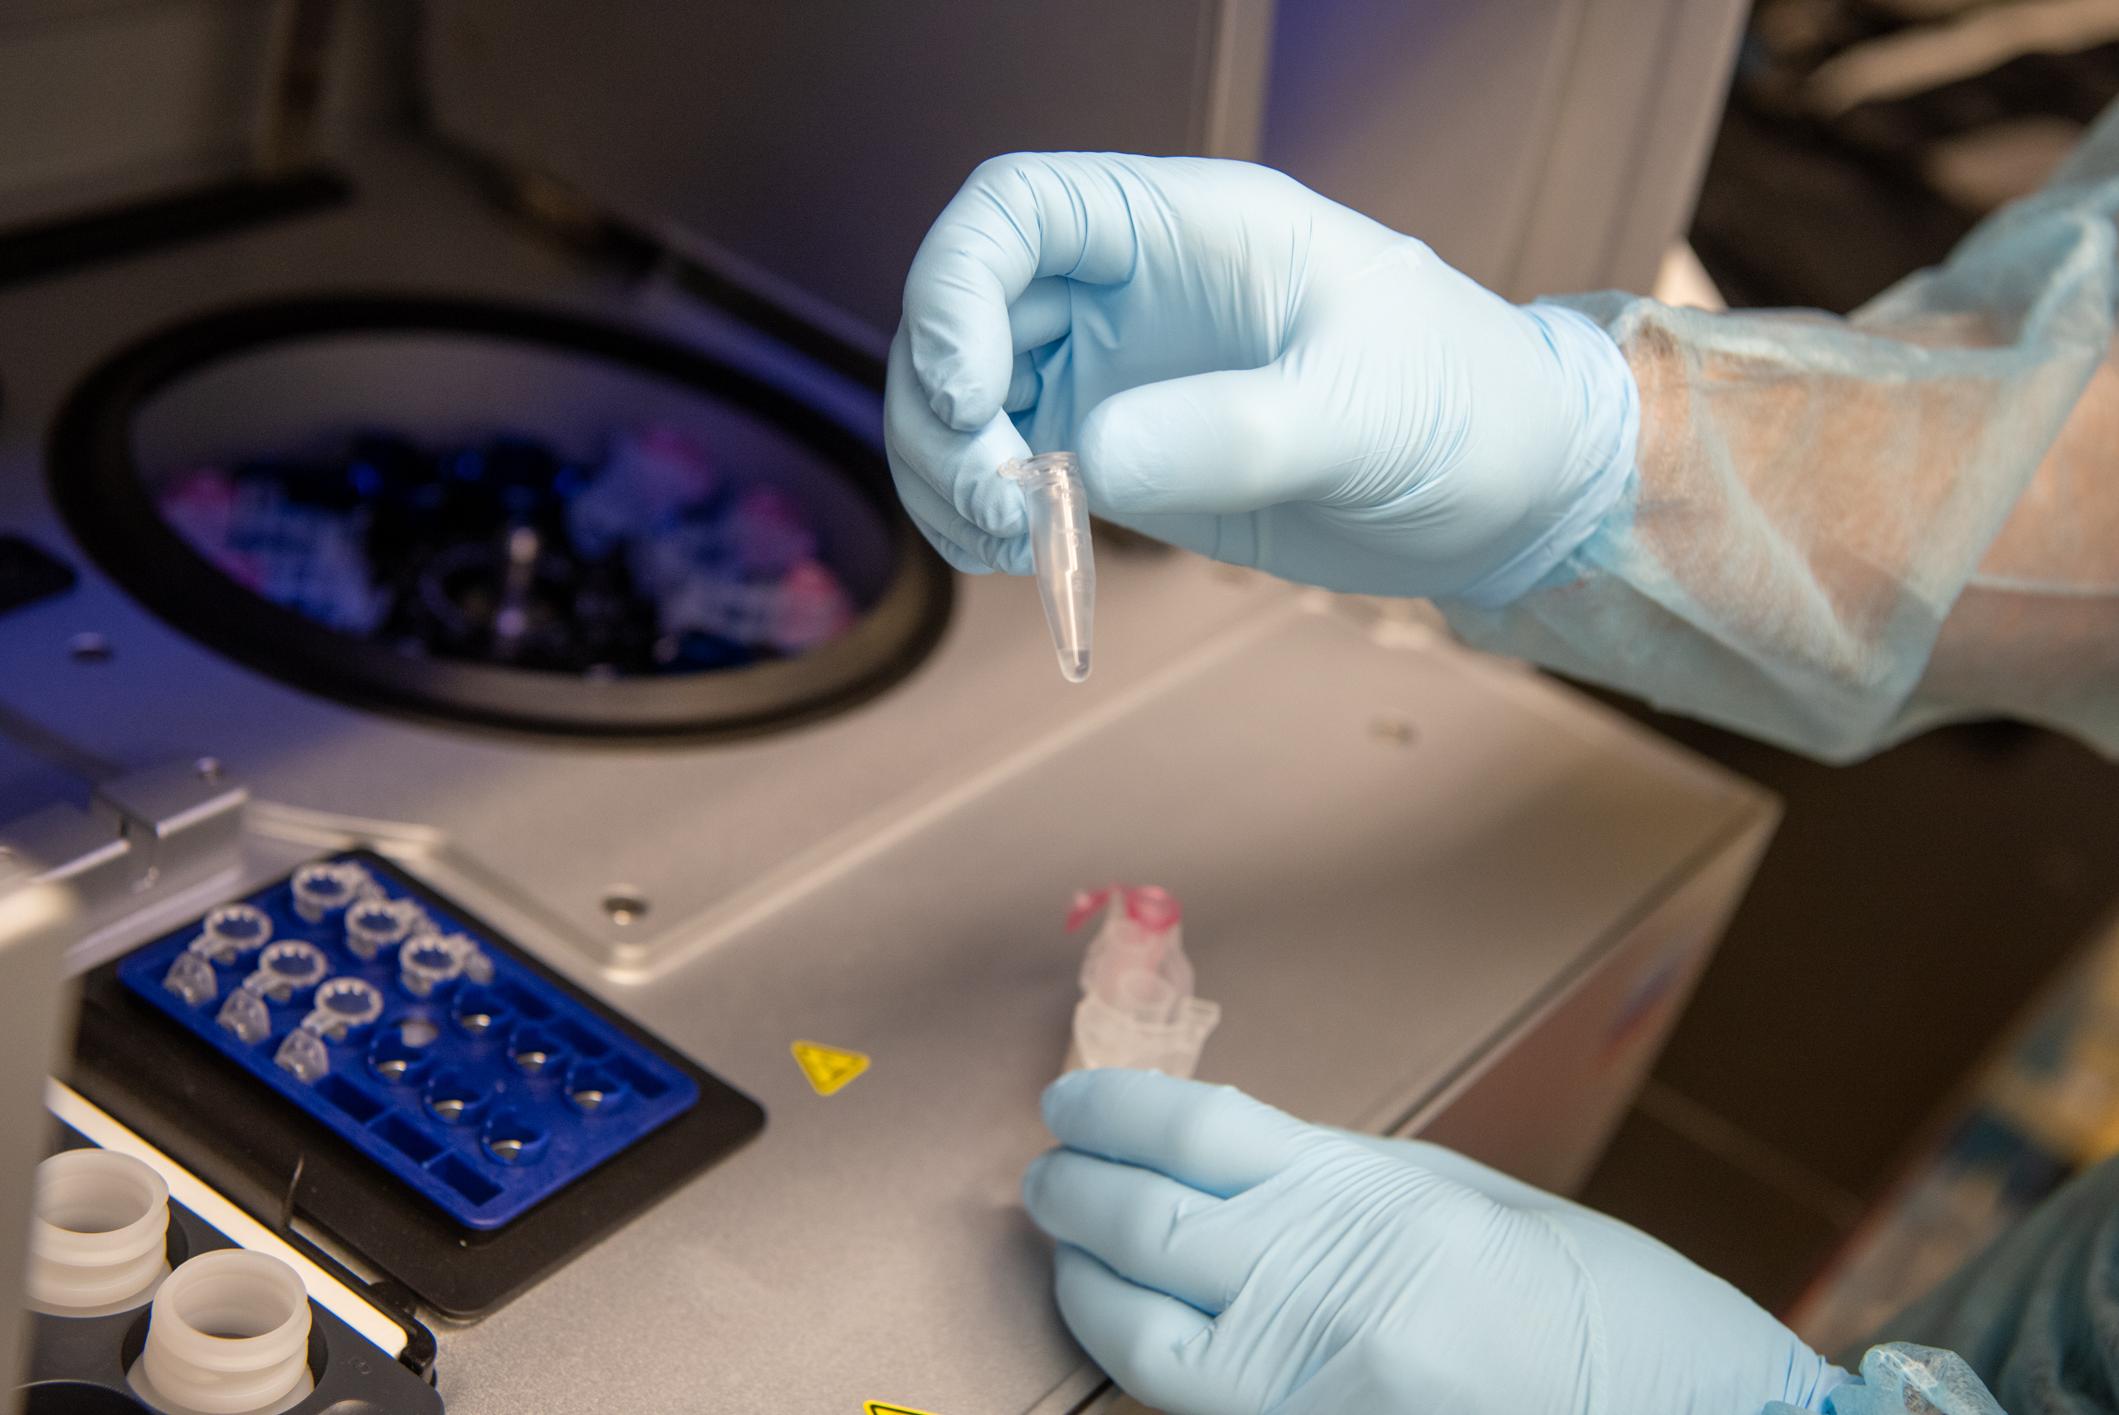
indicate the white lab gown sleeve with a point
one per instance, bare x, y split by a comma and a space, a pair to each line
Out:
1842, 531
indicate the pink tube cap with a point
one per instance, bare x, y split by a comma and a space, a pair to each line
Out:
1150, 906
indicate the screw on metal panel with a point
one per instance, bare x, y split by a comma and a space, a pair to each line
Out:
89, 648
1394, 730
624, 906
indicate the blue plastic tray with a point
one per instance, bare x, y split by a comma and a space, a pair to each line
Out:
382, 1080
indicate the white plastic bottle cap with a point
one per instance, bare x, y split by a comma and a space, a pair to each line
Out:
99, 1240
228, 1335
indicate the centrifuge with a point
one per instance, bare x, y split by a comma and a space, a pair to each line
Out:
542, 852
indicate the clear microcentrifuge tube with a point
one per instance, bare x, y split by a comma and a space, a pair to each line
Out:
192, 978
1137, 1007
288, 967
373, 925
426, 961
1060, 550
232, 931
475, 964
302, 1055
341, 1005
245, 1017
325, 887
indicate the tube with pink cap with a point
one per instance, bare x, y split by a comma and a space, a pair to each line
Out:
1137, 1006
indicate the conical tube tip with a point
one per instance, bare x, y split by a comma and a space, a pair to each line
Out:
1063, 560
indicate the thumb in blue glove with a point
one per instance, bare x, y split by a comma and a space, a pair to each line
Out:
1219, 1257
1251, 371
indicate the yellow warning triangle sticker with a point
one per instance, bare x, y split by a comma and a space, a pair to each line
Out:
877, 1407
828, 1070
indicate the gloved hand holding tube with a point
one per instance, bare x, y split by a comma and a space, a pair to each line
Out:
1788, 525
1218, 1256
1248, 370
1826, 533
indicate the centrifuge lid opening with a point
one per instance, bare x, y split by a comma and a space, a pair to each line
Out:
296, 375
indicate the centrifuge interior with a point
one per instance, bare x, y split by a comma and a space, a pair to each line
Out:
442, 439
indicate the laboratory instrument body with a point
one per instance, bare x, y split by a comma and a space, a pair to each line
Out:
1577, 128
1431, 892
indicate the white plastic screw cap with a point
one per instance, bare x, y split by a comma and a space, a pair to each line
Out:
98, 1238
228, 1335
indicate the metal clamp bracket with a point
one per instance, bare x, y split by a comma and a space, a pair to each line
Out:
160, 826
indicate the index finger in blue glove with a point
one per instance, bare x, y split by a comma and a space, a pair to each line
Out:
1214, 1138
967, 549
971, 503
1017, 218
1150, 1344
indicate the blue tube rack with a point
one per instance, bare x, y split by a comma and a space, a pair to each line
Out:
440, 1090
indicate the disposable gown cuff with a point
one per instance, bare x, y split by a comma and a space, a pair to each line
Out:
1900, 1376
1601, 466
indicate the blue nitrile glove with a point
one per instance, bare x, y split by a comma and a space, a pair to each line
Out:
1250, 371
1221, 1258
